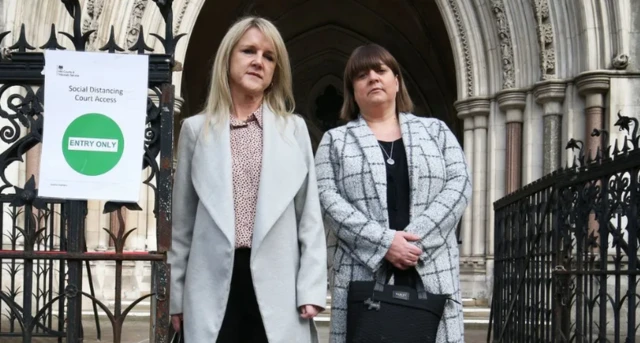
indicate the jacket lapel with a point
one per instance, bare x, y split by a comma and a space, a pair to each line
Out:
373, 155
212, 176
411, 137
283, 171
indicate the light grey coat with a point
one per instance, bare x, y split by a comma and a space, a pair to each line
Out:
352, 184
288, 247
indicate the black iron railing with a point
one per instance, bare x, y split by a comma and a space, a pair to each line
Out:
43, 252
566, 250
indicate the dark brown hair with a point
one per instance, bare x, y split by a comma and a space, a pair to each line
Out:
365, 58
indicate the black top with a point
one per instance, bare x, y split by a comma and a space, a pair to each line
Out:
398, 190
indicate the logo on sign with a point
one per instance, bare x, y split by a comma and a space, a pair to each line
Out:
66, 73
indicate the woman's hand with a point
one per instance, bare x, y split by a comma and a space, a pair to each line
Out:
403, 254
176, 320
309, 311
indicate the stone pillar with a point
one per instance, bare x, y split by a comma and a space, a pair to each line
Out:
512, 102
131, 222
114, 224
103, 222
594, 87
94, 232
478, 109
151, 221
467, 146
32, 167
141, 225
177, 119
33, 163
550, 94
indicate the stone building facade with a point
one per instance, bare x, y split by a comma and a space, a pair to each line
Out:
514, 79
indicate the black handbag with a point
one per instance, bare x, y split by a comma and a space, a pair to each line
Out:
378, 312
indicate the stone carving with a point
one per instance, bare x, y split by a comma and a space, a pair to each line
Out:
133, 28
620, 61
465, 46
546, 31
94, 10
542, 8
506, 47
549, 61
544, 28
178, 22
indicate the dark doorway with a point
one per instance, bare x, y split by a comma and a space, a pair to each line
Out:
328, 106
320, 35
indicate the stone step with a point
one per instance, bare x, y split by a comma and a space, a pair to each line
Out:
476, 313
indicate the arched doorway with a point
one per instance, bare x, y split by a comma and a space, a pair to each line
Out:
320, 35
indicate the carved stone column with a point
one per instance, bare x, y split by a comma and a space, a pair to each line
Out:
94, 236
550, 94
33, 163
143, 227
513, 102
478, 109
178, 116
593, 86
114, 224
467, 146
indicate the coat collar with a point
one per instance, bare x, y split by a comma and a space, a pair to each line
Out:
283, 171
371, 149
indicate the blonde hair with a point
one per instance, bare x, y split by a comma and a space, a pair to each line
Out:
278, 96
365, 58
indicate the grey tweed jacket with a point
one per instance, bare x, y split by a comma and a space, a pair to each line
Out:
352, 186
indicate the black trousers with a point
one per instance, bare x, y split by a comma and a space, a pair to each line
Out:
242, 321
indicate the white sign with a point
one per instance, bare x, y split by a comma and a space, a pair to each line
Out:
95, 106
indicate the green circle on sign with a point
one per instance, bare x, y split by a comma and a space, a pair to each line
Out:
92, 144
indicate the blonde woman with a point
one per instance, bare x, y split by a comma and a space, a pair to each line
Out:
393, 187
248, 251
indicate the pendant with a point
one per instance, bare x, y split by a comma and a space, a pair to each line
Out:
391, 161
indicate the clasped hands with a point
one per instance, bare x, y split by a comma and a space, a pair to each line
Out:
402, 254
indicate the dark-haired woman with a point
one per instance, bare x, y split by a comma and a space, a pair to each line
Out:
393, 187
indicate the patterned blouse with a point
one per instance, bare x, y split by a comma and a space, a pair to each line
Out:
246, 154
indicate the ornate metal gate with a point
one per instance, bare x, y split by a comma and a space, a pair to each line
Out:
567, 258
43, 251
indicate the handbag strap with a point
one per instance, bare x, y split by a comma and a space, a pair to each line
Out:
383, 275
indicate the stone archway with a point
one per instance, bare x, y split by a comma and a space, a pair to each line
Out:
521, 76
321, 34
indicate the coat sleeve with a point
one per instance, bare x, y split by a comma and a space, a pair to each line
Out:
184, 205
441, 217
366, 240
311, 285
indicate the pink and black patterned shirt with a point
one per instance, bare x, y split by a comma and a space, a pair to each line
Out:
246, 155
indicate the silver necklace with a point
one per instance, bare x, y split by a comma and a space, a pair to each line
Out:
389, 159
